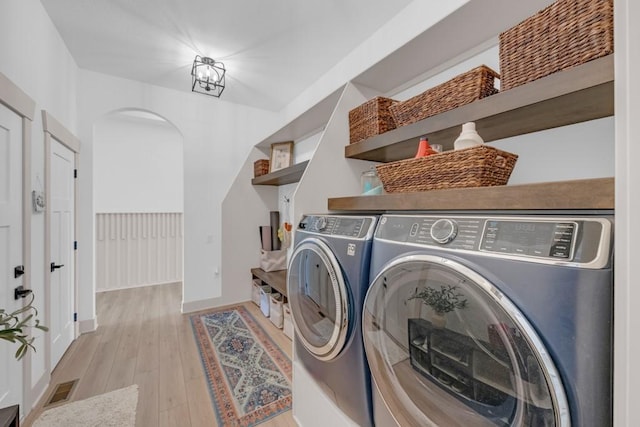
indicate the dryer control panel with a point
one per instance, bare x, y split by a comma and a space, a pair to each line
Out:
553, 239
357, 227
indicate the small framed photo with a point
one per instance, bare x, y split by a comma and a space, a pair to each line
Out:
281, 156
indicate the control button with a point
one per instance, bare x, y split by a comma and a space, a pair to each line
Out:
444, 230
321, 223
414, 229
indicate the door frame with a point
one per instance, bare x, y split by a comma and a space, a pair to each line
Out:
23, 105
56, 130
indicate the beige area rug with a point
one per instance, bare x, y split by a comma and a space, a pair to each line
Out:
116, 408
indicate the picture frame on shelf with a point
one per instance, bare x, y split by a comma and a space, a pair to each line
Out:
281, 156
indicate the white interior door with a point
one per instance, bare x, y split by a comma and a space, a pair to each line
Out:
62, 236
10, 246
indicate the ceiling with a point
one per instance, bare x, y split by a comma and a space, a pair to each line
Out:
272, 49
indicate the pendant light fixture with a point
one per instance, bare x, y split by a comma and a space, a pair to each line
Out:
207, 76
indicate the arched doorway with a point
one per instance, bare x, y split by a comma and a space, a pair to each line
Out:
138, 200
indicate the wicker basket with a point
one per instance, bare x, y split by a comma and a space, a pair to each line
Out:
481, 166
565, 34
460, 90
260, 167
370, 119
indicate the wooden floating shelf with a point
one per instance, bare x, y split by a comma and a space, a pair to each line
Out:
283, 176
575, 95
276, 279
595, 193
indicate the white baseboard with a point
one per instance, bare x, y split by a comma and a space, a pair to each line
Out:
88, 325
40, 388
136, 286
203, 304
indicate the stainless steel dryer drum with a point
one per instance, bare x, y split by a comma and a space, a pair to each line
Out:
491, 320
327, 281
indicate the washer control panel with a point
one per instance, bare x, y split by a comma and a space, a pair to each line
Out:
547, 239
357, 227
454, 233
444, 230
552, 239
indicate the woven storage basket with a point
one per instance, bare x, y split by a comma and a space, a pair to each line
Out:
260, 167
460, 90
481, 166
370, 119
565, 34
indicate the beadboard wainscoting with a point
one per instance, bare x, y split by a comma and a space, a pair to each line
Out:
138, 249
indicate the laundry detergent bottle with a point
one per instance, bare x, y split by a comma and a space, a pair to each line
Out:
424, 149
468, 137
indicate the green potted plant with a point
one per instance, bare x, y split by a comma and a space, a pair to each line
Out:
13, 327
442, 301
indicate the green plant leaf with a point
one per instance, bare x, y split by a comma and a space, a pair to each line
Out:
442, 300
14, 327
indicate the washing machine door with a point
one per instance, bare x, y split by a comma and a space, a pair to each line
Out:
447, 348
318, 299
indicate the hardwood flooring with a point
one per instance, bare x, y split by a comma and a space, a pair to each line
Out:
143, 339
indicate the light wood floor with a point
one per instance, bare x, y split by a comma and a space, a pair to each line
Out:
143, 339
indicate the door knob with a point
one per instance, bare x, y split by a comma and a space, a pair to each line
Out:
21, 292
55, 267
18, 271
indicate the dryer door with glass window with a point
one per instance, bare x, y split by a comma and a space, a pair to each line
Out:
446, 347
318, 299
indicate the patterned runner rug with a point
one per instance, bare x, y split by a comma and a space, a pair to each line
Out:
249, 376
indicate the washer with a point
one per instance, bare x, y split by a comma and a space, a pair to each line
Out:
524, 333
327, 280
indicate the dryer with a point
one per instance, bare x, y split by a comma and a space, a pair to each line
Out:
490, 319
327, 280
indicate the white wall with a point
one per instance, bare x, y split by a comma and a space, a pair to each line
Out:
303, 150
580, 151
627, 269
217, 141
138, 249
244, 209
409, 23
33, 56
138, 165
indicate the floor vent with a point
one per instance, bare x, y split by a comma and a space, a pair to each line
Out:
62, 392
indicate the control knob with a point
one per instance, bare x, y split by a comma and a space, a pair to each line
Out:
444, 230
321, 223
